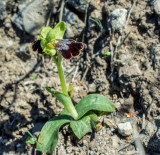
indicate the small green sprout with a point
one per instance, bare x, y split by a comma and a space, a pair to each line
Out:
33, 77
107, 53
96, 20
31, 139
80, 117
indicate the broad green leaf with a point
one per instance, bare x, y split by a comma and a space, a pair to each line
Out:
94, 102
57, 32
89, 102
45, 30
48, 138
83, 126
65, 112
65, 100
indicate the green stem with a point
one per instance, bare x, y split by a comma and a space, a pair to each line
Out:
61, 76
62, 79
70, 107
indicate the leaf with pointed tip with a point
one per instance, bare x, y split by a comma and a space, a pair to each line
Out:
94, 102
45, 31
65, 100
48, 138
57, 32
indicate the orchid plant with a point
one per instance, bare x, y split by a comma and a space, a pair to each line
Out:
80, 117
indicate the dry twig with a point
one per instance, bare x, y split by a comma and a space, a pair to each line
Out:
61, 12
129, 13
79, 81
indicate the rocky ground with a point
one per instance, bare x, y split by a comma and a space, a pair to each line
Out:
129, 30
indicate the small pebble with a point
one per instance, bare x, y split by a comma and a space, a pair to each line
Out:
118, 19
115, 141
125, 129
7, 25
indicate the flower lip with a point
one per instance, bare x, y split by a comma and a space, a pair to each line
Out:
68, 48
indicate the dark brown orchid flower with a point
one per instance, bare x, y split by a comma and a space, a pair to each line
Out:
37, 46
68, 48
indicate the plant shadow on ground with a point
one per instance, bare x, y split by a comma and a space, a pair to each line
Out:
11, 125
